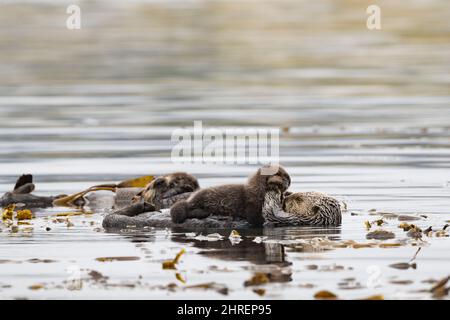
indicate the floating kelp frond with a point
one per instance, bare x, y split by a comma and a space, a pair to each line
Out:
415, 254
408, 218
8, 212
325, 294
389, 245
380, 235
140, 182
259, 292
415, 232
180, 278
378, 222
70, 214
257, 279
71, 200
406, 226
440, 290
441, 233
388, 215
210, 286
171, 264
36, 286
403, 265
111, 259
407, 265
374, 297
24, 215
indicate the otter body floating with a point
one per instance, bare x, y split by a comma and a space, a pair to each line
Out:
301, 209
21, 194
297, 209
139, 207
243, 201
162, 219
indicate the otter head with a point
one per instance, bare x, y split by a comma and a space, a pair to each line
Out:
6, 199
271, 177
303, 202
180, 182
168, 186
294, 203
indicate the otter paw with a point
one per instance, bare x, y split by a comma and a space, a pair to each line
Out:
149, 207
274, 186
178, 216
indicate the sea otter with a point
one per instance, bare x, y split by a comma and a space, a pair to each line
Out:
22, 194
164, 191
300, 209
233, 200
161, 193
170, 188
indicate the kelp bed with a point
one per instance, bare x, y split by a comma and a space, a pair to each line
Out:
374, 255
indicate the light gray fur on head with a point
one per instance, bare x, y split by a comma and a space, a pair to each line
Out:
303, 208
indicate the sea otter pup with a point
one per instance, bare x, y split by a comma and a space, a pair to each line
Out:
233, 200
300, 209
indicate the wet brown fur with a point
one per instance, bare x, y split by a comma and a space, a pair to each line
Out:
233, 200
166, 186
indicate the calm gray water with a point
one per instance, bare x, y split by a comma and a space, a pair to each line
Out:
365, 117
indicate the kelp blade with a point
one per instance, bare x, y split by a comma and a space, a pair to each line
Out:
140, 182
69, 200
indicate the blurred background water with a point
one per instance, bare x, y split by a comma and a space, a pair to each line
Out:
364, 114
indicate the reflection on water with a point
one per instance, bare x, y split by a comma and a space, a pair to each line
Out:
364, 115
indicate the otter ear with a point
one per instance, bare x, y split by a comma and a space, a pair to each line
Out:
316, 209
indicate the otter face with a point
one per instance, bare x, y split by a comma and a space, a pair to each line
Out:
303, 202
6, 199
168, 186
155, 189
180, 182
295, 203
280, 180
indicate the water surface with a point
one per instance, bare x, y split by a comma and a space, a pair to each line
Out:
365, 117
